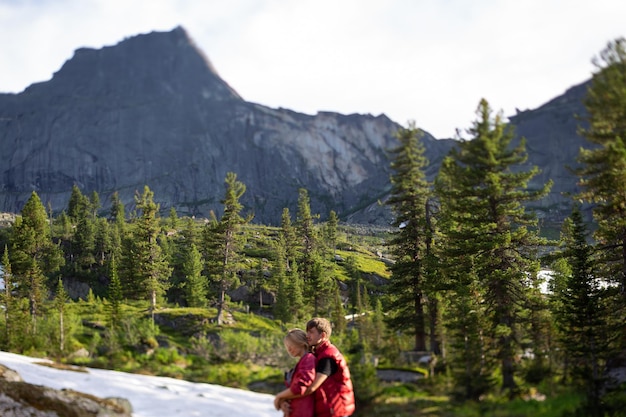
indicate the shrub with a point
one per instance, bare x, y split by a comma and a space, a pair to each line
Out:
202, 347
366, 383
236, 346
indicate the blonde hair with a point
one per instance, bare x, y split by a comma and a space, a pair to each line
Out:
297, 337
321, 324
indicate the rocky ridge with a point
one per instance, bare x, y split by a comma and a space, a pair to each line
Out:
152, 110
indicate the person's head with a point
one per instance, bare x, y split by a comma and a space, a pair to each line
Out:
318, 329
296, 342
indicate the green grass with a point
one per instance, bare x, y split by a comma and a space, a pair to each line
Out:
367, 262
238, 375
404, 400
418, 369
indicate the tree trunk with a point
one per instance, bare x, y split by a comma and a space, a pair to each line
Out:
623, 292
33, 314
508, 366
435, 336
61, 333
220, 308
420, 331
152, 303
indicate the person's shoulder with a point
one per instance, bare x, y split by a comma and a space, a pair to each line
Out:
308, 360
333, 348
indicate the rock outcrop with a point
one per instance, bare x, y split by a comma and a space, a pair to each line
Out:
20, 399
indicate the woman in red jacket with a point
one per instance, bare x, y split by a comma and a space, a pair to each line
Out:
299, 378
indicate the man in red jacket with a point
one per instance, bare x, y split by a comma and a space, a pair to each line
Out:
334, 395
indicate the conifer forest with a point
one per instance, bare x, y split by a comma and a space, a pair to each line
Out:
464, 291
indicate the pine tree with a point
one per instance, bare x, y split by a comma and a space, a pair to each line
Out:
354, 283
260, 283
321, 286
7, 297
82, 242
128, 269
603, 171
77, 204
561, 271
289, 238
307, 237
60, 300
295, 292
195, 283
483, 191
34, 284
33, 255
378, 324
410, 193
227, 241
210, 248
471, 355
190, 232
282, 310
64, 226
117, 211
44, 252
115, 295
582, 316
103, 241
94, 204
330, 232
338, 314
116, 235
172, 220
151, 268
539, 325
318, 287
179, 243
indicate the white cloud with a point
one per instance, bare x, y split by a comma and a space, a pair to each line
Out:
426, 60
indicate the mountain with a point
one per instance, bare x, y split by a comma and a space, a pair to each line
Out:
152, 110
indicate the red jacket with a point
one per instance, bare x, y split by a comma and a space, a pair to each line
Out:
302, 376
336, 396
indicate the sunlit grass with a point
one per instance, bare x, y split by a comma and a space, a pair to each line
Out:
367, 262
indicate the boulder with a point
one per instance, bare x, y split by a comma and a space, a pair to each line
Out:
21, 399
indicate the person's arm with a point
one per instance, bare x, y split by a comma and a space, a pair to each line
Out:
317, 382
283, 396
325, 368
301, 379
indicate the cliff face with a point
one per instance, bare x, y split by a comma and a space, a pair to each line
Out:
153, 111
553, 145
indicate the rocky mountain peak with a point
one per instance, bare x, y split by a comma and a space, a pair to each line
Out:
157, 65
153, 111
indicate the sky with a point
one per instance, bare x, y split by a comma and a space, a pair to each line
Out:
149, 396
427, 61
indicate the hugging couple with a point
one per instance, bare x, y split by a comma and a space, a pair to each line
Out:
319, 385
